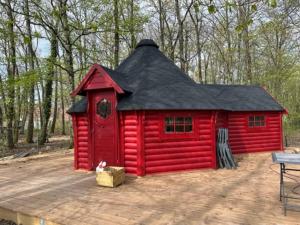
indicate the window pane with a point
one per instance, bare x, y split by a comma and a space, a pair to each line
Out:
103, 108
179, 128
169, 129
257, 123
188, 128
257, 118
169, 120
188, 120
179, 120
178, 124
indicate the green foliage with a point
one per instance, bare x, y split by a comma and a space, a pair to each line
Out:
196, 7
273, 3
55, 13
94, 26
26, 39
27, 79
211, 9
242, 26
36, 34
253, 8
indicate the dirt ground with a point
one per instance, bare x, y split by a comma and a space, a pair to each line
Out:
48, 187
6, 222
55, 143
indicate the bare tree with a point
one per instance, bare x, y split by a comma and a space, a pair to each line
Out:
31, 54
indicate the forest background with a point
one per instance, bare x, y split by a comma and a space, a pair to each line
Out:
47, 46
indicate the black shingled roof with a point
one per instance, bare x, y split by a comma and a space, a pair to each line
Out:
79, 106
242, 97
119, 78
156, 83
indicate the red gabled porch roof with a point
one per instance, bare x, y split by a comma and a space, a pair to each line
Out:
107, 81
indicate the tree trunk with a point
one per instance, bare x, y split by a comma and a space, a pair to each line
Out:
11, 72
213, 68
63, 129
186, 51
40, 100
199, 51
30, 128
206, 64
229, 75
24, 119
18, 107
116, 34
132, 26
48, 89
248, 60
243, 19
1, 121
68, 53
68, 56
52, 129
161, 25
180, 36
197, 21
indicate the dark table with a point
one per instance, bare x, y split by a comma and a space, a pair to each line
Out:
285, 159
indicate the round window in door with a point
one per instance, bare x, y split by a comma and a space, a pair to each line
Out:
104, 108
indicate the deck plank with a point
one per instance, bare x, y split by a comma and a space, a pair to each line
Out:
49, 188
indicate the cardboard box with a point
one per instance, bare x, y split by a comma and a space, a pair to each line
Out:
112, 176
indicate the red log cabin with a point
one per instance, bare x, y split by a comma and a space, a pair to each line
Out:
148, 116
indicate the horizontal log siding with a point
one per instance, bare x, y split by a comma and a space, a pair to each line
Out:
175, 153
244, 140
130, 145
81, 151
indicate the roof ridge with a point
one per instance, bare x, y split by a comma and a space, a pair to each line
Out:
232, 85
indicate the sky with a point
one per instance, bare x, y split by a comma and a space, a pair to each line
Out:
43, 49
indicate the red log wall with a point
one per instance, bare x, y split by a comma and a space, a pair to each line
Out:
81, 152
243, 139
145, 148
164, 154
129, 140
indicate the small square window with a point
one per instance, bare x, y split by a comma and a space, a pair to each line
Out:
178, 124
256, 121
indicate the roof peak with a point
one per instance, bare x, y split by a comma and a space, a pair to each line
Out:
147, 42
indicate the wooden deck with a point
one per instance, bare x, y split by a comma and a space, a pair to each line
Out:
49, 188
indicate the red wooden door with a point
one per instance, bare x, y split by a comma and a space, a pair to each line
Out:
104, 127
